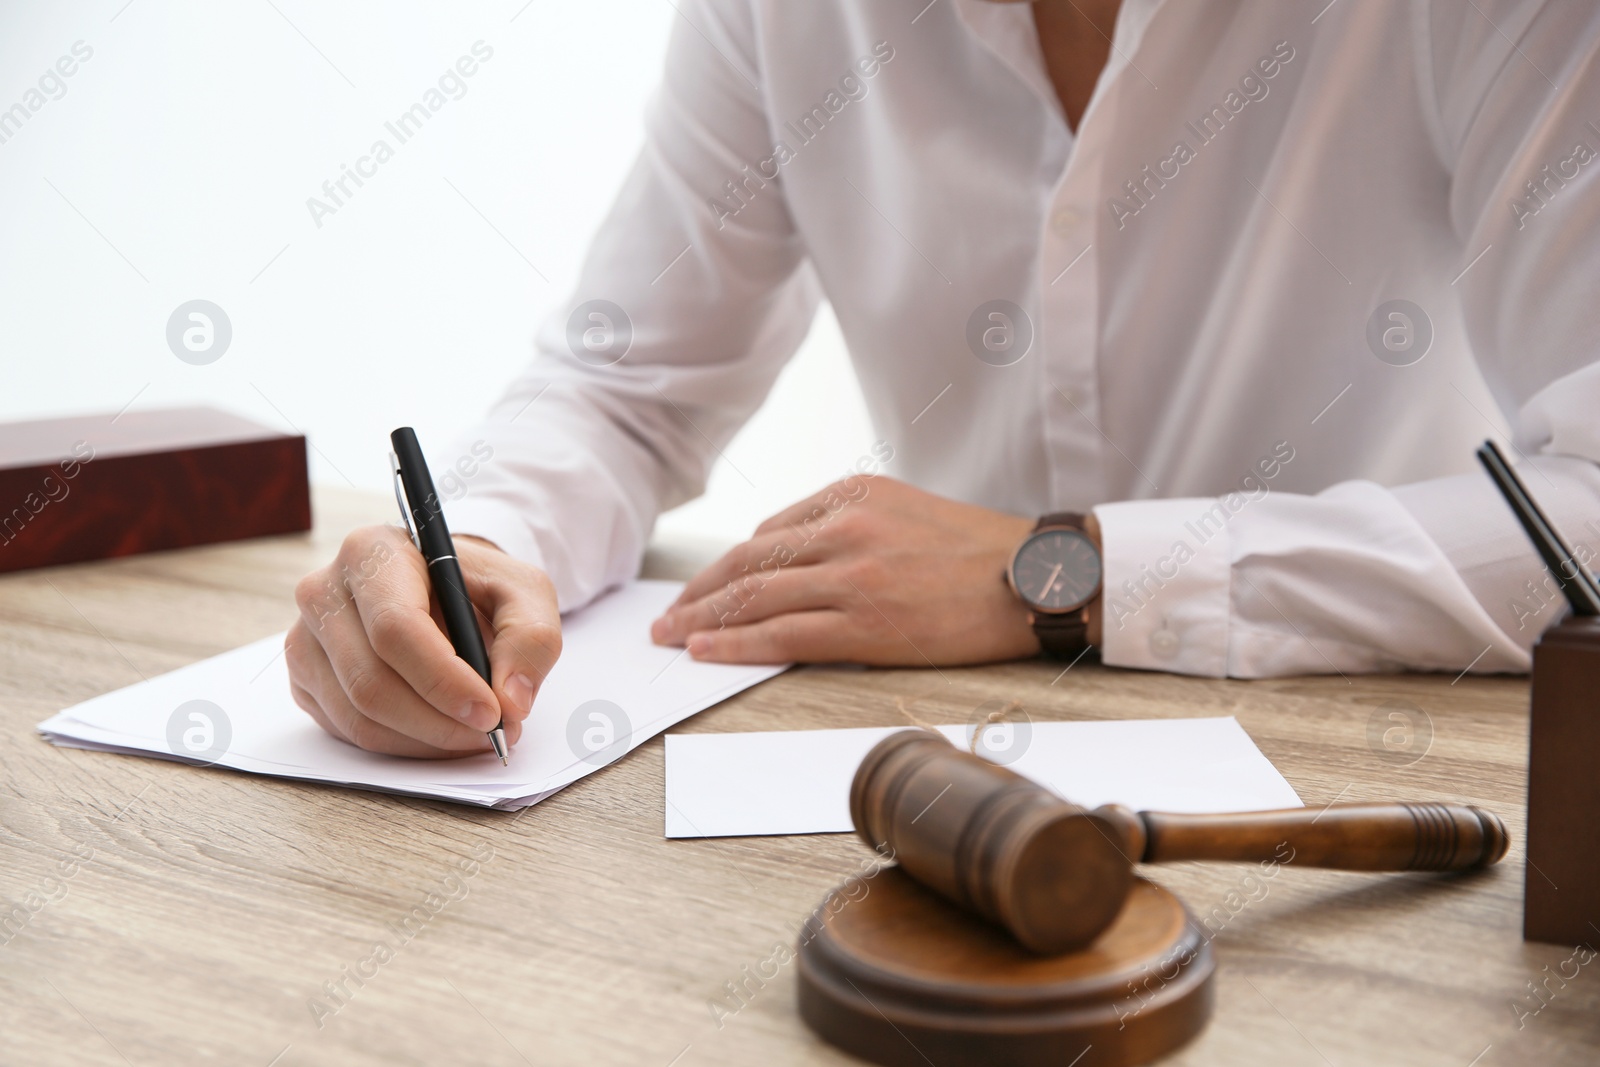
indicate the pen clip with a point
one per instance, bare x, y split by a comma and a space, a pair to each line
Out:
400, 499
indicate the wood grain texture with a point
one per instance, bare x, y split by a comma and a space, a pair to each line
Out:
206, 909
88, 488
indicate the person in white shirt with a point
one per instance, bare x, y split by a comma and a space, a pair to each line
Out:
1236, 285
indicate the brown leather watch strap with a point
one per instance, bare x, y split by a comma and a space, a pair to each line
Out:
1073, 519
1062, 636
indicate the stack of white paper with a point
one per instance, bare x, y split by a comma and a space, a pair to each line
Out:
611, 691
798, 782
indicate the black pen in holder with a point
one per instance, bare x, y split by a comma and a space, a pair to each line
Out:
1561, 891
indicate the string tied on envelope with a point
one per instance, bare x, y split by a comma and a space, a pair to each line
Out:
991, 719
905, 709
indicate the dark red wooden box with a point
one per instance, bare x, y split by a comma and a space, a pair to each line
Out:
97, 486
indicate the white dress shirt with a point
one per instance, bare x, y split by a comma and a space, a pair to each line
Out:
1183, 316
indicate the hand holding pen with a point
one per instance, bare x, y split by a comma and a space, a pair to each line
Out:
370, 661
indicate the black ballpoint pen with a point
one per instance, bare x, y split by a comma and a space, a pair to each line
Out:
425, 522
1579, 586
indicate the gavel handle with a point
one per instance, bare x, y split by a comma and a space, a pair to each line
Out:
1352, 837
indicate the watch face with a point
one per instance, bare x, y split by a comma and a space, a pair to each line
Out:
1056, 571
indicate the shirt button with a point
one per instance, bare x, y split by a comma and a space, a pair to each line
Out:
1164, 644
1063, 221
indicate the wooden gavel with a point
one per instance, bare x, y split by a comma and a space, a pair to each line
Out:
1055, 874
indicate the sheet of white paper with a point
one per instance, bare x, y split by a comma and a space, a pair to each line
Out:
798, 782
611, 691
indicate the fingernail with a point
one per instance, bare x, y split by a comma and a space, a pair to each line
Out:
699, 645
479, 716
519, 687
662, 628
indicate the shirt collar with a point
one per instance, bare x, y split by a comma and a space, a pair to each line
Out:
1007, 30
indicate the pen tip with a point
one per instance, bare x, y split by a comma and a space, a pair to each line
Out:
497, 741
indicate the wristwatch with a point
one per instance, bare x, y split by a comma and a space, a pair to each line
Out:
1056, 572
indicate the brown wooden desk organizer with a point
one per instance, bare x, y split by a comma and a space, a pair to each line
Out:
99, 486
915, 967
1561, 902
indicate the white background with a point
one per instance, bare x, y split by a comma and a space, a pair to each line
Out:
177, 166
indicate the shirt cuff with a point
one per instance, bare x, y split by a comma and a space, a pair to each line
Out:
497, 521
1166, 600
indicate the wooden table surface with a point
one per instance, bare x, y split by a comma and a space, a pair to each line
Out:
157, 913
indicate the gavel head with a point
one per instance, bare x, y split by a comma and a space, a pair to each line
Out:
1053, 874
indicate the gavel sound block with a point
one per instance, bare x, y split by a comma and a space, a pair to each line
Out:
1099, 962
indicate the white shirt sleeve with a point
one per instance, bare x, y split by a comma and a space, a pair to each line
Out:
1435, 575
585, 448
